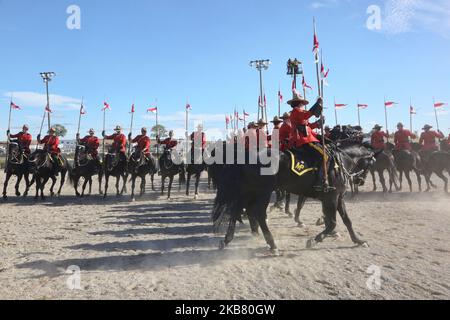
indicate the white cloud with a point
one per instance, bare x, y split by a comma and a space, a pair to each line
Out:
402, 16
35, 99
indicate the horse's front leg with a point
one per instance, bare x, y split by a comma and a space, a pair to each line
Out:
63, 180
170, 187
5, 185
28, 184
52, 193
105, 194
37, 180
100, 180
43, 183
17, 186
152, 177
188, 183
86, 181
117, 185
300, 204
90, 185
143, 183
124, 187
133, 185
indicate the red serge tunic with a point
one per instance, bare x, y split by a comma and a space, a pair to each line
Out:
51, 143
301, 118
143, 144
120, 142
169, 143
428, 140
402, 139
92, 143
24, 140
378, 140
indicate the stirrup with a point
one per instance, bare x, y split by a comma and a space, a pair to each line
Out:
324, 187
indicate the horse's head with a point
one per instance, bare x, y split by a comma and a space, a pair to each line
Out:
445, 145
111, 161
357, 161
81, 155
37, 159
15, 154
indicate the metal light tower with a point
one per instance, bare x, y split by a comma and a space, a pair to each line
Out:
295, 68
47, 77
260, 65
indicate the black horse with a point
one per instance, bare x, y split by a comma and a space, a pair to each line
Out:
407, 161
169, 169
17, 165
85, 167
384, 161
115, 165
438, 163
43, 168
244, 187
356, 160
141, 166
195, 168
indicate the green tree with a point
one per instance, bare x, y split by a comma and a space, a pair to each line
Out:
61, 131
159, 129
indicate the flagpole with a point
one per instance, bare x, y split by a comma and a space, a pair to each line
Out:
9, 133
359, 114
436, 114
79, 116
410, 115
335, 112
104, 129
386, 117
131, 128
321, 62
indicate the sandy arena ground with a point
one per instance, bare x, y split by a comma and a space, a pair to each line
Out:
155, 249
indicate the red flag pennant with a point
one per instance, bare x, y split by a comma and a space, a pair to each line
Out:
412, 110
106, 106
47, 108
132, 108
439, 105
82, 111
15, 106
363, 106
188, 107
280, 96
390, 104
265, 101
340, 106
246, 114
305, 85
316, 44
153, 110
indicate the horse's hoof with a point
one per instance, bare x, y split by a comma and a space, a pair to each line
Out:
275, 252
289, 214
18, 194
311, 243
320, 222
301, 225
255, 234
196, 197
222, 245
133, 200
364, 244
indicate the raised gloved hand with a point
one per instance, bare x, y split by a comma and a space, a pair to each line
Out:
39, 137
103, 133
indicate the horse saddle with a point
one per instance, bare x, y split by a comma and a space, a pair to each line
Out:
301, 163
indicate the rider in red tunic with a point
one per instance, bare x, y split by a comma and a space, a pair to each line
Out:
276, 126
261, 135
428, 139
120, 142
143, 142
285, 132
91, 142
198, 139
169, 143
23, 139
402, 138
378, 136
302, 135
51, 145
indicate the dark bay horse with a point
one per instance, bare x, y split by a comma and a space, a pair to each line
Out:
438, 163
85, 167
17, 165
43, 169
407, 161
140, 166
115, 165
384, 161
244, 187
169, 169
356, 160
194, 168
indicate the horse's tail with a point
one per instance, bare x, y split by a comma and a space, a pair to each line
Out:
228, 203
72, 176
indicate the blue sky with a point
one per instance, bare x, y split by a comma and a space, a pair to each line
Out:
200, 50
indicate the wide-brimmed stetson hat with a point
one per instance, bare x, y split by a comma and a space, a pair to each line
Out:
52, 130
261, 122
277, 120
286, 116
297, 99
91, 131
377, 127
427, 127
118, 128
